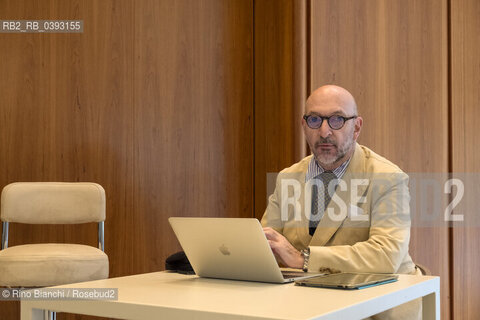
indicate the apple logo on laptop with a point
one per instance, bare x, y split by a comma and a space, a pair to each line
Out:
224, 250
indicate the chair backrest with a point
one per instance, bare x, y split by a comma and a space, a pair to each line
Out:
53, 202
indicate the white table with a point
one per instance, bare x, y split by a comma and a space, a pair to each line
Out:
174, 296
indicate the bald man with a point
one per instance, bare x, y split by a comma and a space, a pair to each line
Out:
344, 208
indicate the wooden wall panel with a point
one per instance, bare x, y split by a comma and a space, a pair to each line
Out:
392, 56
193, 118
154, 101
65, 106
280, 90
465, 45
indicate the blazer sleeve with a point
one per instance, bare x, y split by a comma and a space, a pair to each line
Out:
389, 234
272, 217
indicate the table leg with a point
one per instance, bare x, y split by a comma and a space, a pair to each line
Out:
27, 313
431, 306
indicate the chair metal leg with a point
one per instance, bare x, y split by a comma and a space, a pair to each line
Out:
4, 235
101, 236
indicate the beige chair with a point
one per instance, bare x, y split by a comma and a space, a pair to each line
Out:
48, 264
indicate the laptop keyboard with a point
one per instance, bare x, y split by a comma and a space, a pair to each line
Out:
292, 274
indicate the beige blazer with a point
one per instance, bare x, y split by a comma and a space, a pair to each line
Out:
366, 226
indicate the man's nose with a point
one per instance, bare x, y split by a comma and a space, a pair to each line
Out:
325, 129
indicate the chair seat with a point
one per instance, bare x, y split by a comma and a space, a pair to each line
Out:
49, 264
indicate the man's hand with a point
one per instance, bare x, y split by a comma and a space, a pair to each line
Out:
285, 253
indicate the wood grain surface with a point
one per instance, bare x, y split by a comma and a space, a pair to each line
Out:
280, 90
154, 101
465, 28
392, 56
193, 119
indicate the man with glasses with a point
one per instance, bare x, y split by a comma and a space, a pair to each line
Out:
344, 208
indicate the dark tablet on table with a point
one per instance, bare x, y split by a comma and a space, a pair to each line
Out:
348, 280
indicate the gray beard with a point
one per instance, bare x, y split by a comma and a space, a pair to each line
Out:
328, 159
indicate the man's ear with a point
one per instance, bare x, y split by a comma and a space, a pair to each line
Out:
304, 124
358, 127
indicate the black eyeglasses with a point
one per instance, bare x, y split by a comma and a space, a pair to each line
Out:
335, 122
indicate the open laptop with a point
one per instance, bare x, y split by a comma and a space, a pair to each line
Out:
230, 248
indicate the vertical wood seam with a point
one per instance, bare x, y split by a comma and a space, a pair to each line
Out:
254, 139
308, 62
450, 253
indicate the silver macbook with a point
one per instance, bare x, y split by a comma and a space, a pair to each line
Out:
230, 248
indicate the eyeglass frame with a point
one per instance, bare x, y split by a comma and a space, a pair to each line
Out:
345, 119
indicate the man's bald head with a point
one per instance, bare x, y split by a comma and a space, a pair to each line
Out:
331, 95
